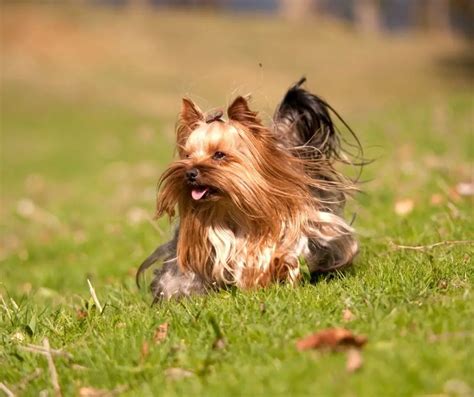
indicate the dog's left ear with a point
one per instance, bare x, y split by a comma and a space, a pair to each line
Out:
239, 111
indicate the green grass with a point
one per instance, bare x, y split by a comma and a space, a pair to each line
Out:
78, 176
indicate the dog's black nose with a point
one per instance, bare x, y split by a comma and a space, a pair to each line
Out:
192, 174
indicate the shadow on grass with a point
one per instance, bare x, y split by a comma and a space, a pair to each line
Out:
319, 276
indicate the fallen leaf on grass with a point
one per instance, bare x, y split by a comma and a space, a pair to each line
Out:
457, 387
443, 284
354, 360
27, 209
336, 339
332, 339
161, 333
404, 206
145, 350
219, 344
437, 199
177, 373
93, 392
465, 188
454, 195
17, 337
81, 314
347, 315
78, 367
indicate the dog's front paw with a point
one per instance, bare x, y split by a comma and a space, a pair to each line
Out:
171, 283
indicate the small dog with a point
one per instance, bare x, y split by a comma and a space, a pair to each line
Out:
253, 201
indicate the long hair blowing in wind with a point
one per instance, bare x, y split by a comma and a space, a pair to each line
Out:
252, 201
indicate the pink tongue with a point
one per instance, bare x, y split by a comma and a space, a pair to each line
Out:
198, 193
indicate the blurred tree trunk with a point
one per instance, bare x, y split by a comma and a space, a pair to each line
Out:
434, 15
462, 18
438, 15
367, 15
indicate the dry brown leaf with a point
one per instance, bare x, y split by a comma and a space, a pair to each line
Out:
81, 314
465, 188
443, 284
145, 350
332, 339
93, 392
161, 333
219, 344
404, 206
354, 360
27, 209
347, 315
437, 199
77, 367
457, 387
177, 373
17, 337
454, 195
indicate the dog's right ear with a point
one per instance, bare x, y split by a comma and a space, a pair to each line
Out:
189, 118
239, 111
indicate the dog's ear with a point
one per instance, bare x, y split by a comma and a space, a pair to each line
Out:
239, 111
189, 118
190, 114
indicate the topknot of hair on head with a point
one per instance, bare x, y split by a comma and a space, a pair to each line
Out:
214, 115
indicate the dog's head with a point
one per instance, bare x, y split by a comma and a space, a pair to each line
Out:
233, 167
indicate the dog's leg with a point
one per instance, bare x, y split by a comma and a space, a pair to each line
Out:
170, 282
326, 256
333, 246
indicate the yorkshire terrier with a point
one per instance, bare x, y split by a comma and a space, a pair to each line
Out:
255, 203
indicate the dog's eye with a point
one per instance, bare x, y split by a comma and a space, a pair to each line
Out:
218, 155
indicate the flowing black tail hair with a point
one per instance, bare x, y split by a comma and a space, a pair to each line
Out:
303, 120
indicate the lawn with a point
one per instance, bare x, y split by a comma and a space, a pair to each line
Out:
85, 134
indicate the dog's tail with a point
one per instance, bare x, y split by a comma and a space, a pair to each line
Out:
303, 120
303, 124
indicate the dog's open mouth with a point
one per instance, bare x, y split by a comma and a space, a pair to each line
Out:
202, 192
